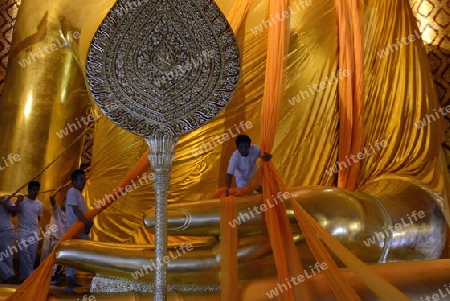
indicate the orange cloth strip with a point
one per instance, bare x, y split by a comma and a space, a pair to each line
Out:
351, 88
285, 254
228, 251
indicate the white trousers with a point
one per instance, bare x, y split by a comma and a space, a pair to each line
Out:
27, 252
7, 250
241, 183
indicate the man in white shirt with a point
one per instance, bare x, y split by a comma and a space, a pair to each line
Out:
7, 248
30, 211
75, 210
242, 163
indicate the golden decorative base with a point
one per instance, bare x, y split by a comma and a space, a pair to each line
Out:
103, 284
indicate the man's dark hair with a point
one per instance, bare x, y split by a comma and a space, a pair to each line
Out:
243, 138
76, 173
34, 184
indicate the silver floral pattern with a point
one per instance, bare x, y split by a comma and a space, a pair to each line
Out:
167, 66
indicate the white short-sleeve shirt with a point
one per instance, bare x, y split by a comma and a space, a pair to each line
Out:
59, 220
74, 198
5, 221
242, 167
29, 214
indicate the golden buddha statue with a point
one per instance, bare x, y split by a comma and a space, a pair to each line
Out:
368, 222
397, 182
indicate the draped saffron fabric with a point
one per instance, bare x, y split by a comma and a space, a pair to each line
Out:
228, 205
285, 254
351, 88
228, 251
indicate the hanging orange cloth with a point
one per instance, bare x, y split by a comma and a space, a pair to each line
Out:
285, 253
351, 88
37, 285
228, 205
228, 251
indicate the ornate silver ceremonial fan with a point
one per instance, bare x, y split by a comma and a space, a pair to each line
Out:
161, 69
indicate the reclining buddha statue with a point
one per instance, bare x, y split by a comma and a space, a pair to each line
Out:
388, 205
369, 222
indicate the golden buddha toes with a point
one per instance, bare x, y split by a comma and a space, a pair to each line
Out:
397, 213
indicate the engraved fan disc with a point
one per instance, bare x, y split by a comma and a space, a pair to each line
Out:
165, 67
